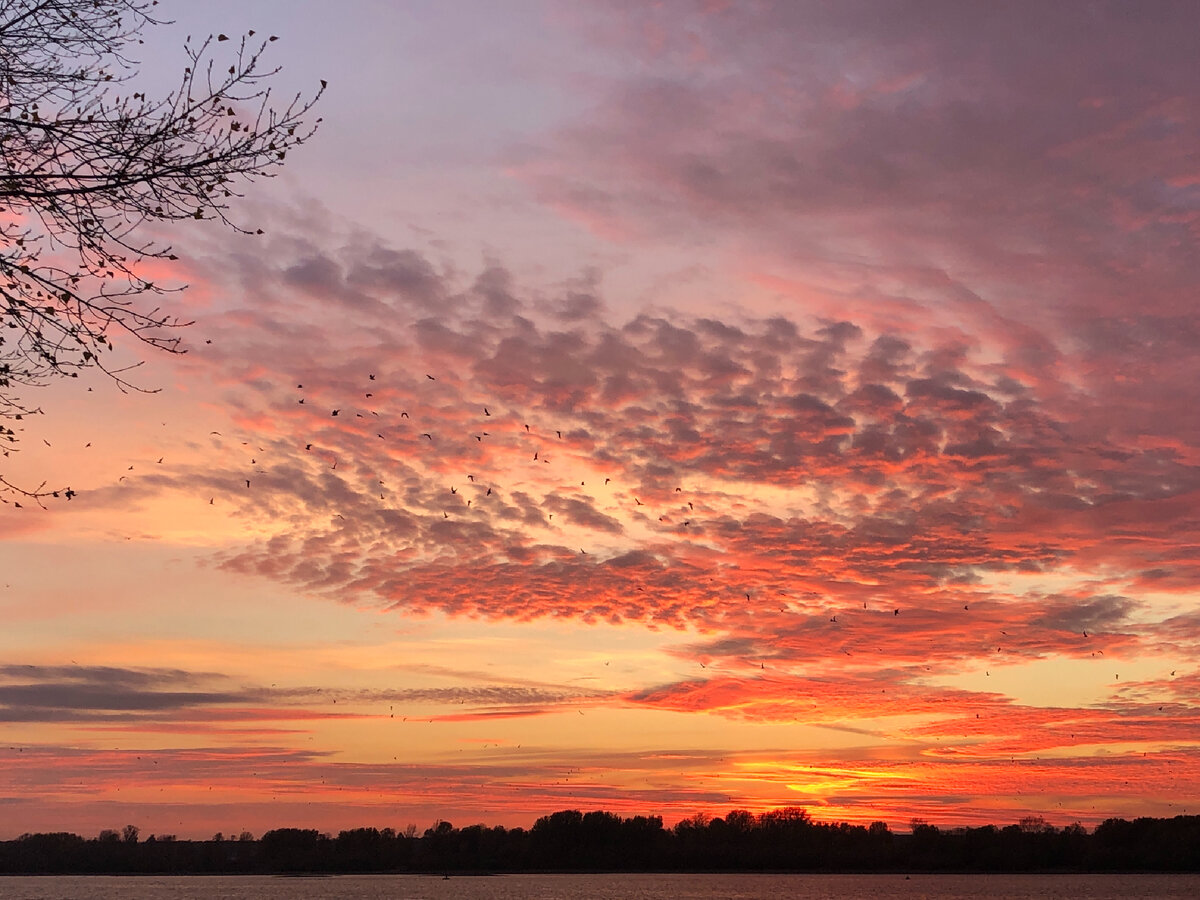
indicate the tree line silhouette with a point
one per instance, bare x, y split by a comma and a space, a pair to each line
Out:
570, 840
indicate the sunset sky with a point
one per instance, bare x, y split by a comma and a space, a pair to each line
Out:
738, 405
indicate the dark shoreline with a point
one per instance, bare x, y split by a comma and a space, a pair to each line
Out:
572, 842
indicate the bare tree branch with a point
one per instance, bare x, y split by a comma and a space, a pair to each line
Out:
84, 168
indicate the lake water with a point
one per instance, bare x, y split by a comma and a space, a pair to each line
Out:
603, 887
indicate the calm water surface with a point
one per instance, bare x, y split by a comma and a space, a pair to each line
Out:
604, 887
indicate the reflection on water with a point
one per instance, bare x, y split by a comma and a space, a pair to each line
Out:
603, 887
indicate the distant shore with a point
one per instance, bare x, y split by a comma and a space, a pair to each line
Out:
570, 841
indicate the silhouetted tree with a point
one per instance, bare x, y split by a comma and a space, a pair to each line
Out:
88, 165
926, 844
294, 849
786, 839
